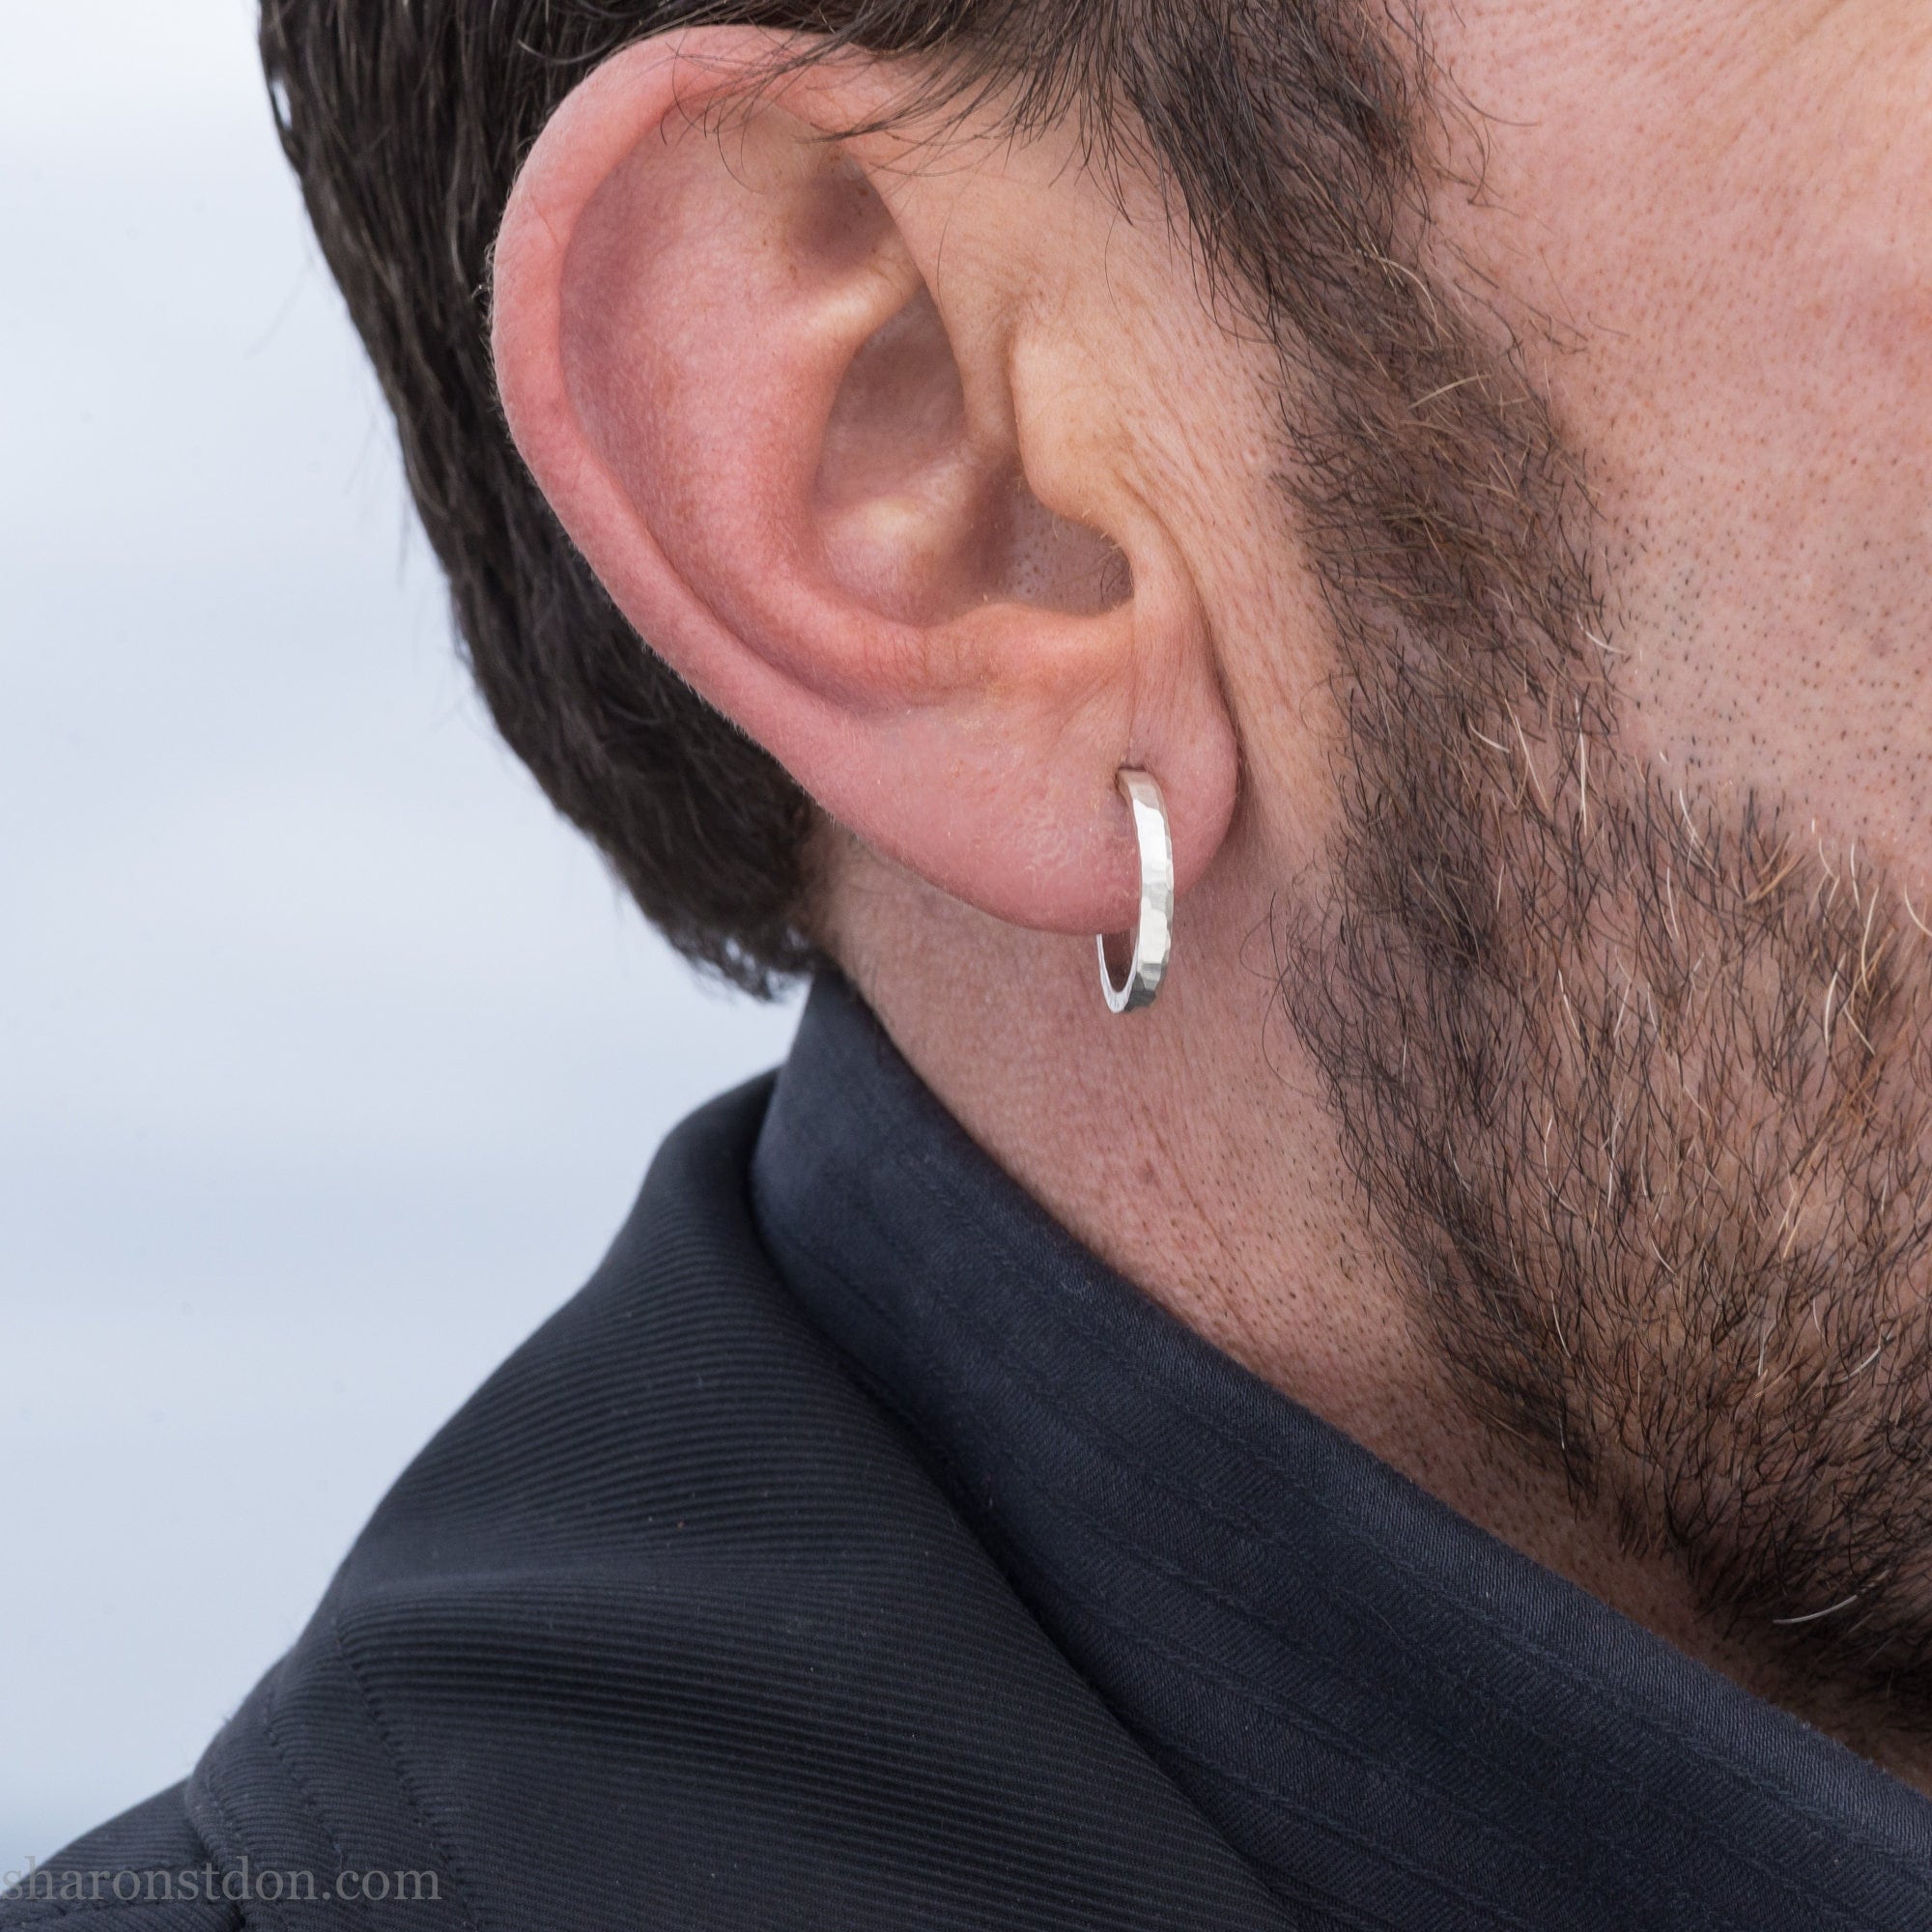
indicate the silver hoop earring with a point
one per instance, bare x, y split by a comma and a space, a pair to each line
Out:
1148, 949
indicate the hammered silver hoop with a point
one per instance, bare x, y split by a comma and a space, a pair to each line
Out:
1151, 941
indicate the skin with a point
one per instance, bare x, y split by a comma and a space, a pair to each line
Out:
1728, 204
963, 497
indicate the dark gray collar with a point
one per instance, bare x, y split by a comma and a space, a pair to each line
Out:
1398, 1720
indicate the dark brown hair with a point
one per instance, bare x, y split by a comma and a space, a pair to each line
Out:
1282, 125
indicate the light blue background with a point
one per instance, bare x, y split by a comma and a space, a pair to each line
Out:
328, 1058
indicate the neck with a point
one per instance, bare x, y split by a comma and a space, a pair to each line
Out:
1192, 1150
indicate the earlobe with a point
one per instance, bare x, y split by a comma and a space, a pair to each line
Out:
805, 471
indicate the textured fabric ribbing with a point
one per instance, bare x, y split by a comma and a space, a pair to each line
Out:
670, 1628
1397, 1719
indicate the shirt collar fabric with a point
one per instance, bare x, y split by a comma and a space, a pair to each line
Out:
1395, 1718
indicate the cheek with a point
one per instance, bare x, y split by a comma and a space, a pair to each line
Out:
1744, 253
1768, 480
1769, 476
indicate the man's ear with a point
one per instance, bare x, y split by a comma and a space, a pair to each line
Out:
822, 410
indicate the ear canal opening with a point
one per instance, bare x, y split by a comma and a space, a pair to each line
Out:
924, 520
1055, 564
